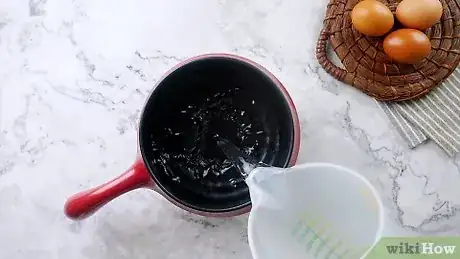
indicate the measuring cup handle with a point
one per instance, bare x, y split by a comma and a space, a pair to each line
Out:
84, 204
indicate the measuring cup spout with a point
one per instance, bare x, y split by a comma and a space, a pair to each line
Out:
261, 174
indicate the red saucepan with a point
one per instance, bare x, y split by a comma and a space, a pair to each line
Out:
206, 95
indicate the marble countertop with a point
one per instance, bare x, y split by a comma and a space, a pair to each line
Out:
75, 74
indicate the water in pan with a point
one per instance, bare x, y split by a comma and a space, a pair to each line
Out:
201, 158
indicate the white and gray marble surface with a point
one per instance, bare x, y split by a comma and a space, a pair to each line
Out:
74, 75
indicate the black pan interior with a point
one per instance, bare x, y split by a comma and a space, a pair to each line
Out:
215, 95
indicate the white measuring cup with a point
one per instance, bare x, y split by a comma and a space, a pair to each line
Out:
312, 211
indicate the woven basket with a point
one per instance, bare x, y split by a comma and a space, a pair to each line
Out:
368, 68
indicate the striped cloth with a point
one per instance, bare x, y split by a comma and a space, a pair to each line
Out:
436, 116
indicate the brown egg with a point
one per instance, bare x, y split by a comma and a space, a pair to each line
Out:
372, 18
407, 46
419, 14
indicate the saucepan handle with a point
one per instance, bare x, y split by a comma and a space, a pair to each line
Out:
84, 204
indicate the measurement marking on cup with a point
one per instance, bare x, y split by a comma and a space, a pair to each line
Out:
320, 238
313, 240
304, 234
320, 248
